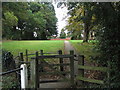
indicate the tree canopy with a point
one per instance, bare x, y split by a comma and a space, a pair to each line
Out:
22, 19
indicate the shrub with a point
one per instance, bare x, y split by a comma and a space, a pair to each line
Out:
8, 63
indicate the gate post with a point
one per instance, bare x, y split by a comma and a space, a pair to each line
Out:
26, 52
24, 77
61, 60
37, 71
34, 77
72, 67
81, 71
21, 58
41, 61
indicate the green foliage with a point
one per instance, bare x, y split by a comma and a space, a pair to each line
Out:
106, 17
82, 20
10, 19
84, 48
62, 34
108, 46
7, 60
26, 18
9, 80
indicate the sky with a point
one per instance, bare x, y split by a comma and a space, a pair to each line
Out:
61, 13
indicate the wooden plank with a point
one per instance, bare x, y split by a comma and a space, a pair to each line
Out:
61, 60
72, 67
37, 72
90, 80
53, 56
80, 71
32, 73
53, 68
104, 69
64, 64
48, 81
41, 53
54, 73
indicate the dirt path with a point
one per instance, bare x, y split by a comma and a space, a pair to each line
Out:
67, 48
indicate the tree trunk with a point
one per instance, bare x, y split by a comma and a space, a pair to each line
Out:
86, 32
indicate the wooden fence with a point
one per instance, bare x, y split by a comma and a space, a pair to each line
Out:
40, 56
81, 79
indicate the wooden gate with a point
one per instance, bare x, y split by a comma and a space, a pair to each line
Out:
43, 65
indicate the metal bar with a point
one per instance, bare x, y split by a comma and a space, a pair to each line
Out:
25, 62
11, 71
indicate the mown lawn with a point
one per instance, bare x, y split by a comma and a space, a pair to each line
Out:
85, 49
20, 46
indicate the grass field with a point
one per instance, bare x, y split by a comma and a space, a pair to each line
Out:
20, 46
84, 48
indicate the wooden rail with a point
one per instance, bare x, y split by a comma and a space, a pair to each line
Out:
103, 69
40, 57
81, 79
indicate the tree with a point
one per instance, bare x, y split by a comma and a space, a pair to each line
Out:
19, 12
62, 34
30, 17
82, 19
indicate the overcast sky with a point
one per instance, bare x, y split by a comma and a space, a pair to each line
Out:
61, 13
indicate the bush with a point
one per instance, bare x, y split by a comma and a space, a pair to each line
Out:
8, 63
7, 60
109, 40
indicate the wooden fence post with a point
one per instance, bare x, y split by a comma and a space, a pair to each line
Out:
21, 58
37, 71
61, 60
34, 76
32, 73
41, 67
26, 55
81, 71
72, 68
41, 52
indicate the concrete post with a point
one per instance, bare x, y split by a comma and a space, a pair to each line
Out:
24, 77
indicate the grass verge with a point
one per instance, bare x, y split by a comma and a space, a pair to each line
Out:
85, 49
20, 46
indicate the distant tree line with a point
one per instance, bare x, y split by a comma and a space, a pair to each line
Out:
28, 20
